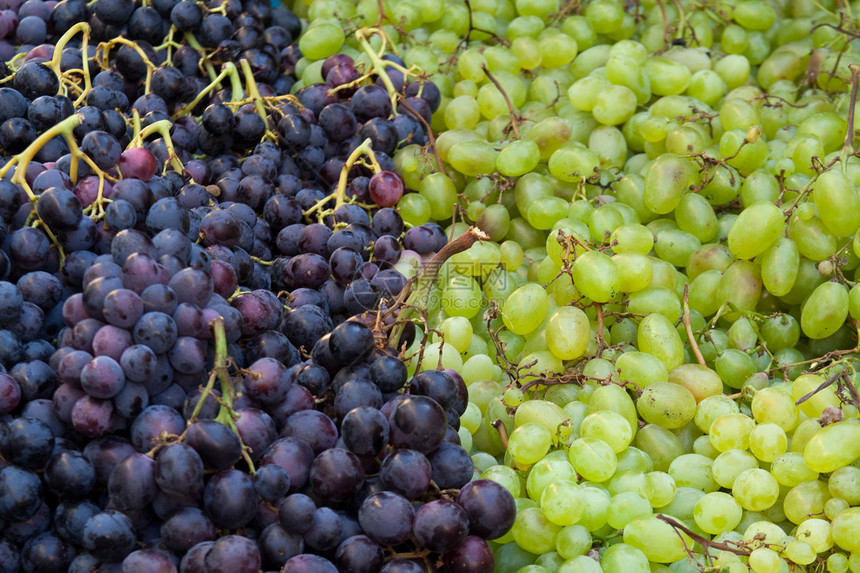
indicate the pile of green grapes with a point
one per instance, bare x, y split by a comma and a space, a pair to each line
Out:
659, 338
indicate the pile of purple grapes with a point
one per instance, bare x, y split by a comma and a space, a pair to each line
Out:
184, 386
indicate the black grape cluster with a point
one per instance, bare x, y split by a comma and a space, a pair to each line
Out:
184, 384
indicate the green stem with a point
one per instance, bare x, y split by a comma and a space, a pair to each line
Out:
378, 65
229, 69
23, 159
253, 92
161, 127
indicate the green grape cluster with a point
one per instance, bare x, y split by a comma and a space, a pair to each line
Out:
659, 339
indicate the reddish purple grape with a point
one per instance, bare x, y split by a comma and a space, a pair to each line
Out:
137, 163
386, 188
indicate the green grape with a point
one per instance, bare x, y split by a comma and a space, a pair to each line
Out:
562, 502
700, 381
764, 560
581, 564
603, 220
825, 310
568, 333
744, 153
572, 163
527, 51
703, 295
813, 239
837, 202
546, 212
593, 459
676, 246
790, 469
667, 77
572, 541
667, 179
325, 40
696, 216
621, 558
613, 397
779, 332
550, 134
707, 86
741, 286
596, 276
525, 309
693, 471
818, 533
634, 460
844, 483
461, 297
462, 112
414, 208
625, 507
775, 406
845, 529
666, 404
731, 431
495, 220
557, 48
552, 468
641, 368
660, 488
756, 229
634, 271
510, 556
585, 92
609, 427
659, 541
717, 512
473, 158
529, 443
768, 441
440, 193
471, 418
662, 445
736, 113
614, 105
702, 446
729, 464
833, 447
815, 404
805, 499
533, 532
835, 505
542, 412
837, 563
437, 353
755, 489
518, 158
734, 69
657, 336
632, 237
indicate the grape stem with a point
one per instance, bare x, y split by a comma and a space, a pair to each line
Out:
848, 146
412, 298
226, 414
339, 196
502, 430
703, 541
161, 127
84, 29
842, 382
688, 327
514, 125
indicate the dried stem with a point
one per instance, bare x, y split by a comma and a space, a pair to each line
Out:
703, 541
689, 327
514, 125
